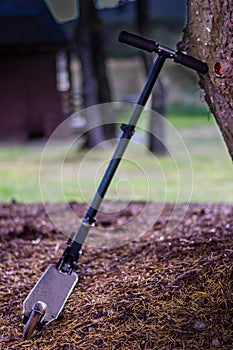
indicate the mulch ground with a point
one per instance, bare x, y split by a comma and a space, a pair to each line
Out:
161, 291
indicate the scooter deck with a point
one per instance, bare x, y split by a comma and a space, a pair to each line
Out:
53, 288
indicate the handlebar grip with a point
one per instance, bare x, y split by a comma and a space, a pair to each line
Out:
190, 62
151, 46
137, 41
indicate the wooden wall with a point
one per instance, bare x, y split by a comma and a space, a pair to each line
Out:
30, 105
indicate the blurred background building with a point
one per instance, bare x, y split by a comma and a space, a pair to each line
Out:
40, 69
33, 51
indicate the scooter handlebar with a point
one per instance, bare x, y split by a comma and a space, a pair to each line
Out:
151, 46
137, 41
191, 62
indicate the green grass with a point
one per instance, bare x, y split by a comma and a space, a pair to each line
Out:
201, 163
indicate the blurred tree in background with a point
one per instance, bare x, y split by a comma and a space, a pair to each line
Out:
156, 127
96, 89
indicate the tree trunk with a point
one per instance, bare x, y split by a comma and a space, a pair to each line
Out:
104, 90
156, 125
96, 89
208, 36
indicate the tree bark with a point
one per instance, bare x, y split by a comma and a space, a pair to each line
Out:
156, 125
208, 36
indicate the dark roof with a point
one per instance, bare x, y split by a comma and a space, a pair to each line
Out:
28, 22
165, 10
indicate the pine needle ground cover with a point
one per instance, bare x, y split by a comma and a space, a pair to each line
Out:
164, 290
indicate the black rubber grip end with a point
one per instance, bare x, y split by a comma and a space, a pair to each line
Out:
121, 37
137, 41
191, 62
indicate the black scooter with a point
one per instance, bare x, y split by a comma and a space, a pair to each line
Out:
48, 297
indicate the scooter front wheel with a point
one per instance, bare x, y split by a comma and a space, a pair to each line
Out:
38, 311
